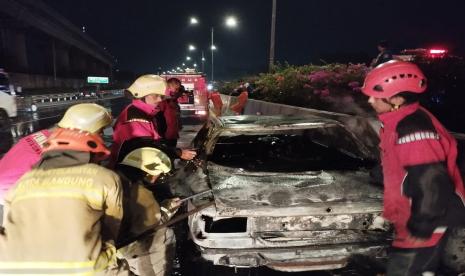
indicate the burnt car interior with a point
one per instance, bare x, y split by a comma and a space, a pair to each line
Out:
303, 150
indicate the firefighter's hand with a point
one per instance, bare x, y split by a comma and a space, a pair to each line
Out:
188, 154
169, 207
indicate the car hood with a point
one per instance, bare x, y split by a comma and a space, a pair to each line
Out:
238, 192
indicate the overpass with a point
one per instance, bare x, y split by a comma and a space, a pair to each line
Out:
41, 48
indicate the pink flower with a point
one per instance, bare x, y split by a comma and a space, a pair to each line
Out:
353, 84
347, 100
325, 92
319, 76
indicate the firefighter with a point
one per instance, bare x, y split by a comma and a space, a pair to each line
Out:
384, 55
215, 98
238, 107
423, 189
26, 153
63, 216
137, 119
153, 254
170, 116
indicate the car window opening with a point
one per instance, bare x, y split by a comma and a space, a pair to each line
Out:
288, 153
227, 225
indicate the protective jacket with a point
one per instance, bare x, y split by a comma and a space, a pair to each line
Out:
141, 210
167, 119
423, 189
61, 218
20, 159
215, 97
136, 120
238, 107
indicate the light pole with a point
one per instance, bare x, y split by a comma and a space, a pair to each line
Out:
272, 38
212, 49
203, 63
230, 22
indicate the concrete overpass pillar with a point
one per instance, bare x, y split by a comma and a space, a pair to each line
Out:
62, 60
16, 50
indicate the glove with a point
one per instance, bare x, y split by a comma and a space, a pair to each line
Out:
168, 208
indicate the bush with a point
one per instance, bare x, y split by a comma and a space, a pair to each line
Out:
332, 87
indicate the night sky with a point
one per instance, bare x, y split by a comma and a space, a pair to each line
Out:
147, 34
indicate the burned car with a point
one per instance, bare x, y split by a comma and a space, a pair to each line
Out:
290, 193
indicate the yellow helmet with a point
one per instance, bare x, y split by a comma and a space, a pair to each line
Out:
150, 160
88, 117
146, 85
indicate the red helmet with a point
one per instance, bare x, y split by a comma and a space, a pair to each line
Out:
391, 78
72, 139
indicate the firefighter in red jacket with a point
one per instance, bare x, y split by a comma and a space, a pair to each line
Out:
423, 189
238, 107
215, 98
137, 120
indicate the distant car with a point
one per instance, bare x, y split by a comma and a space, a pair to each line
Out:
90, 91
290, 193
8, 105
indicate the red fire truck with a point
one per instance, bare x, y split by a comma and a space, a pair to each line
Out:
195, 101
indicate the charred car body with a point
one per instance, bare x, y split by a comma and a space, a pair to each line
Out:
291, 193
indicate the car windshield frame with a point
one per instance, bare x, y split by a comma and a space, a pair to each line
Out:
349, 146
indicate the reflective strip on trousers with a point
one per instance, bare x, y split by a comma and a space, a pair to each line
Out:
47, 268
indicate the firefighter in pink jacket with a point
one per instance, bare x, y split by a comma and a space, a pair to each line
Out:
26, 153
423, 189
136, 121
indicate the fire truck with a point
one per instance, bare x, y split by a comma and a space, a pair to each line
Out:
423, 55
195, 101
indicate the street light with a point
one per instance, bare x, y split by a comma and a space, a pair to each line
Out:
194, 21
191, 47
188, 58
230, 22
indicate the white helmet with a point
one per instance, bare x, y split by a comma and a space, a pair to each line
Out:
146, 85
88, 117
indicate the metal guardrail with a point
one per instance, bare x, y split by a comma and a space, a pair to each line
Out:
34, 103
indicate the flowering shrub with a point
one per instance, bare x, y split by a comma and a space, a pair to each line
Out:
333, 87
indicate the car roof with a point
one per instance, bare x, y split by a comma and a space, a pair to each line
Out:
257, 122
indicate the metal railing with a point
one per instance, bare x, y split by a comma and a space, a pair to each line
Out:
34, 103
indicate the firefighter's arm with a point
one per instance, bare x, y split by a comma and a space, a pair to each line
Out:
429, 187
427, 183
112, 207
146, 211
